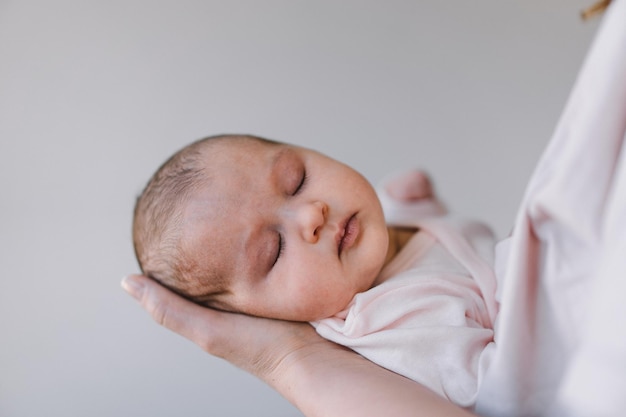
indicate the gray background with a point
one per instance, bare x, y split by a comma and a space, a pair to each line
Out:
95, 94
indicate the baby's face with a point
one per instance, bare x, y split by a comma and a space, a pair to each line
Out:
295, 234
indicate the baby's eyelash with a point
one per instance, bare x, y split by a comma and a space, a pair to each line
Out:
281, 248
303, 181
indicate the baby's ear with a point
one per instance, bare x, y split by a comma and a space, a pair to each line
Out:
410, 186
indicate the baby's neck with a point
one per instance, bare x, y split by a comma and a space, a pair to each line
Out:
398, 236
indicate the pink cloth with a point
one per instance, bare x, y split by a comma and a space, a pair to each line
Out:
431, 317
561, 330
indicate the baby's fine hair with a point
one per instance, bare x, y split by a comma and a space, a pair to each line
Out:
157, 220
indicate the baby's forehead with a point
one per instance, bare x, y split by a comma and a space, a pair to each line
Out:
231, 168
227, 148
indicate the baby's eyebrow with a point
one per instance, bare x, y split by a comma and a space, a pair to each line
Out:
278, 159
284, 151
286, 170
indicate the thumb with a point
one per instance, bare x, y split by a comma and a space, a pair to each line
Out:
174, 312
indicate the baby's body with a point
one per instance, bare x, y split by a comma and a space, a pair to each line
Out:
279, 231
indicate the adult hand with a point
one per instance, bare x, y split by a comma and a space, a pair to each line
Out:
256, 345
317, 376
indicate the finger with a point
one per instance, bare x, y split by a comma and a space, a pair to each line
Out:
251, 343
196, 323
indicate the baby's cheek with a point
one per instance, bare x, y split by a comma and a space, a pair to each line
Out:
299, 301
322, 300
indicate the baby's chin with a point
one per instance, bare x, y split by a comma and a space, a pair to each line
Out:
375, 274
316, 313
344, 304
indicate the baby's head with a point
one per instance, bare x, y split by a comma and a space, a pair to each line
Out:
245, 224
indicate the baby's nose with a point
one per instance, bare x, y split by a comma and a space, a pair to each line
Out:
312, 218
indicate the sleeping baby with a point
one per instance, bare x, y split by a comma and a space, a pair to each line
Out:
249, 225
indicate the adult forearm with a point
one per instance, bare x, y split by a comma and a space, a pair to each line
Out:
327, 380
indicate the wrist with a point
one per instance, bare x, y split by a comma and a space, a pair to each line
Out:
324, 379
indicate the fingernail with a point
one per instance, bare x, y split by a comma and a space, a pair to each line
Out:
133, 287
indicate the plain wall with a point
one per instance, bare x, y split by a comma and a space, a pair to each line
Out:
94, 95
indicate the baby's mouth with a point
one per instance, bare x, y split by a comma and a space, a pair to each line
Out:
348, 233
